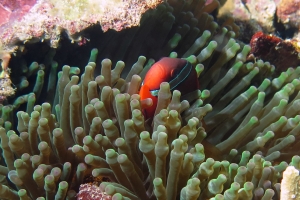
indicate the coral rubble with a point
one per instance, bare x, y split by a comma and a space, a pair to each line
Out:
288, 13
289, 184
47, 19
279, 17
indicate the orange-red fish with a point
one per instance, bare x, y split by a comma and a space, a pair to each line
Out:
179, 73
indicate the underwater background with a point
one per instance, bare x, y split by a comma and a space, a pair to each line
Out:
153, 99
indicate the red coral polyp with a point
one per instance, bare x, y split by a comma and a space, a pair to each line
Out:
261, 43
281, 53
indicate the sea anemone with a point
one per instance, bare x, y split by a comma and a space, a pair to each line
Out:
232, 139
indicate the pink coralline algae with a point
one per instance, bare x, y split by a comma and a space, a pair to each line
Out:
91, 192
5, 14
46, 19
288, 12
11, 10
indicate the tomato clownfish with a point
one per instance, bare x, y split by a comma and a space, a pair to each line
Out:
179, 73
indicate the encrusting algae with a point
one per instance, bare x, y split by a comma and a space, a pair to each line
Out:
6, 88
232, 139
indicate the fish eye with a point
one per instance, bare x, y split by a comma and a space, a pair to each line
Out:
175, 72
